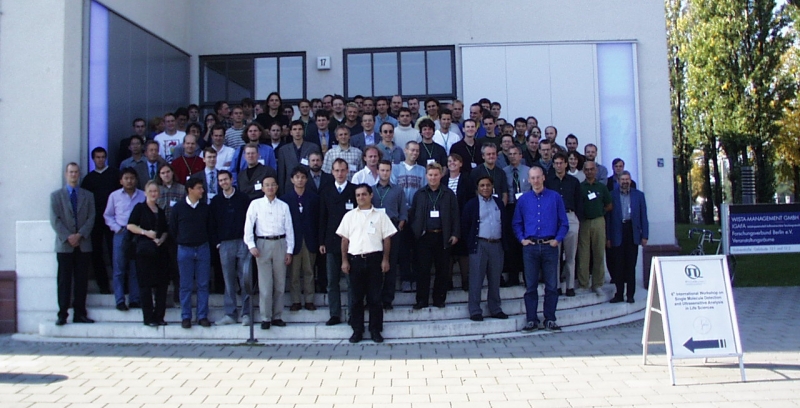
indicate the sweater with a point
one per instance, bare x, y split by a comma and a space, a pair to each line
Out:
227, 217
190, 226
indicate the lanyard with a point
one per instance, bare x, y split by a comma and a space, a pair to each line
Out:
437, 198
430, 153
445, 139
381, 196
188, 168
489, 173
471, 152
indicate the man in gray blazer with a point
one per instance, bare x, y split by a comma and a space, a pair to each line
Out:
292, 155
72, 217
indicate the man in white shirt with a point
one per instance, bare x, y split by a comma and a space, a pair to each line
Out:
224, 153
272, 245
170, 138
446, 136
405, 131
366, 241
369, 174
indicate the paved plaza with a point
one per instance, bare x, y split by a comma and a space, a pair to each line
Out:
576, 368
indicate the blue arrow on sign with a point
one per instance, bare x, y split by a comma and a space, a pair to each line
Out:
693, 344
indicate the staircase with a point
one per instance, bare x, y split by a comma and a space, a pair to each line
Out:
400, 323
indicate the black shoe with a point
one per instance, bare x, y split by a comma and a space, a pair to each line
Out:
376, 337
420, 305
295, 307
630, 300
550, 325
186, 323
278, 323
504, 283
105, 291
570, 292
387, 306
121, 307
476, 318
135, 305
356, 337
61, 321
440, 305
264, 325
204, 322
82, 319
616, 299
333, 321
559, 292
161, 323
152, 324
500, 315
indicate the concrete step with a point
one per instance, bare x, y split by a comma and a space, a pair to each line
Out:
318, 331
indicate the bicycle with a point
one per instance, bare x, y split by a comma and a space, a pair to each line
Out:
707, 237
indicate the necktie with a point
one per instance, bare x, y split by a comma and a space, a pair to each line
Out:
316, 181
340, 189
323, 140
212, 184
516, 181
152, 171
73, 199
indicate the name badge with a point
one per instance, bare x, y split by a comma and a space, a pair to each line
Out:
348, 206
435, 214
474, 165
380, 210
353, 167
430, 161
188, 177
173, 202
495, 195
304, 162
592, 195
257, 186
518, 195
300, 207
261, 161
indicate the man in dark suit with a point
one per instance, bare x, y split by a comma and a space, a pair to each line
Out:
101, 182
316, 177
72, 215
627, 228
147, 169
293, 154
304, 207
209, 175
368, 136
249, 179
484, 230
336, 199
321, 131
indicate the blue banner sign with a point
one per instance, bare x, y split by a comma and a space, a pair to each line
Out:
762, 228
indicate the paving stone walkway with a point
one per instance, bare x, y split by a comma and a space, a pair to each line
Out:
599, 367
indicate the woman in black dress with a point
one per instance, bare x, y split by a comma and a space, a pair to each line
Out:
149, 223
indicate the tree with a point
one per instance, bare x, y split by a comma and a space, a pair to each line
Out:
682, 147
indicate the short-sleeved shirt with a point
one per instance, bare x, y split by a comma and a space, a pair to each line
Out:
366, 230
595, 197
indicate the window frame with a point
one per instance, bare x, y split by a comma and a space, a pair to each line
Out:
398, 51
204, 59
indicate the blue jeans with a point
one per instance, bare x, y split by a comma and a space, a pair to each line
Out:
194, 264
334, 264
234, 257
540, 258
122, 266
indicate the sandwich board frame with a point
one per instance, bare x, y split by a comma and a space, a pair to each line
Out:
694, 298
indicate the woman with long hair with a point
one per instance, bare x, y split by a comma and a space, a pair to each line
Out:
149, 223
208, 123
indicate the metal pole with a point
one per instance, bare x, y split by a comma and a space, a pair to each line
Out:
248, 288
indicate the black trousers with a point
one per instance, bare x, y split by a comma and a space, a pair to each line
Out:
366, 278
72, 279
152, 282
513, 255
102, 240
431, 252
624, 262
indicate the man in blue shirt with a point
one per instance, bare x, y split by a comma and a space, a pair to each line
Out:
540, 224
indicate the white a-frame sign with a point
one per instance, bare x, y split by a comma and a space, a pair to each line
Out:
698, 318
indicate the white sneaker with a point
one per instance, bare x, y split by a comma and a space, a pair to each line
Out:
599, 292
246, 320
225, 321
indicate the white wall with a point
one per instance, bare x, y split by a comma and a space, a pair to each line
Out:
41, 71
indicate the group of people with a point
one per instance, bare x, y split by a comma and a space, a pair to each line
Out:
368, 190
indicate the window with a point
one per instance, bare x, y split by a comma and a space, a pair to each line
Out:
408, 71
234, 77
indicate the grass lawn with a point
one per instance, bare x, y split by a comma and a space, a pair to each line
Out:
750, 270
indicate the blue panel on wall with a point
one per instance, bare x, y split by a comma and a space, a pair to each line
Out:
617, 96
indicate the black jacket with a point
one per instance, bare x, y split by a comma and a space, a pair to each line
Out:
332, 208
447, 205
